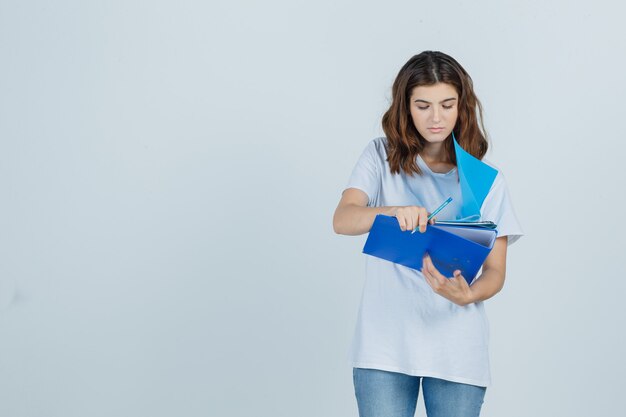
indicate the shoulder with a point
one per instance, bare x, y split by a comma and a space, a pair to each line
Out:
378, 144
377, 147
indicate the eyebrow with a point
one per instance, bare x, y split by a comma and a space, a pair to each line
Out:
428, 102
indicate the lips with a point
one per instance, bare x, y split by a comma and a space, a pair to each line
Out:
435, 129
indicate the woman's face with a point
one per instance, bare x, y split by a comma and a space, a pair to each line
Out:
434, 109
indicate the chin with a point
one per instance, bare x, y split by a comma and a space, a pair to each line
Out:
436, 139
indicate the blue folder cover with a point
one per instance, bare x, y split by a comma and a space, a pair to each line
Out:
450, 247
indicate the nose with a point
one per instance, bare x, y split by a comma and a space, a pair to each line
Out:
436, 115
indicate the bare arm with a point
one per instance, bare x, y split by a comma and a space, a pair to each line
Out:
494, 270
456, 289
353, 217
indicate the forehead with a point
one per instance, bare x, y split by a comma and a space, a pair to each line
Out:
434, 92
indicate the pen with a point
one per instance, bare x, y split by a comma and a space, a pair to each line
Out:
445, 203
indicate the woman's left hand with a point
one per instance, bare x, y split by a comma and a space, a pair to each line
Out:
454, 289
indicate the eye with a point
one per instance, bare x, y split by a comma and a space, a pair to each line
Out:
422, 108
448, 107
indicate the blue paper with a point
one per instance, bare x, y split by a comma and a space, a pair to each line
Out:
476, 179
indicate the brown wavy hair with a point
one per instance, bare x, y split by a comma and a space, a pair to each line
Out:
403, 140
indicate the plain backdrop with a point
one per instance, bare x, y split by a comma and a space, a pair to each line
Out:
169, 171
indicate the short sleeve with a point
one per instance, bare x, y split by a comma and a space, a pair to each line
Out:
366, 175
498, 208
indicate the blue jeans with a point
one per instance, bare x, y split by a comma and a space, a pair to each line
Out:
390, 394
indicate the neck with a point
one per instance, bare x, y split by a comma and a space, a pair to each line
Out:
434, 152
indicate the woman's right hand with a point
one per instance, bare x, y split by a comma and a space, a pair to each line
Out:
354, 217
410, 217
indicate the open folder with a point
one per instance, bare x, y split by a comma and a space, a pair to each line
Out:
450, 246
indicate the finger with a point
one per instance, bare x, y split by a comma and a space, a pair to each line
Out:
433, 277
414, 217
401, 222
432, 221
422, 219
429, 278
434, 271
431, 282
460, 278
410, 223
426, 265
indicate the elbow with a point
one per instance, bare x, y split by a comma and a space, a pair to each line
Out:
501, 286
337, 226
345, 224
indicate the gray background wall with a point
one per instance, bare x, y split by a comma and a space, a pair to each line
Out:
169, 171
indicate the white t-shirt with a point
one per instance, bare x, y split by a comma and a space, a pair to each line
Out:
403, 325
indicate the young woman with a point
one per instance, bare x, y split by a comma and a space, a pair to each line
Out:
420, 327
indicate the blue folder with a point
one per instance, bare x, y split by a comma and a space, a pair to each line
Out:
450, 247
